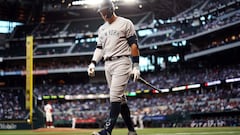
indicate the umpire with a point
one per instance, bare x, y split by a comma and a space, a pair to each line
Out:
117, 45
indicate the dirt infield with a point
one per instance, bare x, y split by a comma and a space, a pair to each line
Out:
61, 130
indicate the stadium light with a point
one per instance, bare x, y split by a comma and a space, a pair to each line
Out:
129, 1
87, 2
93, 2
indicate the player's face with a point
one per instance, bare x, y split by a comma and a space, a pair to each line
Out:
103, 13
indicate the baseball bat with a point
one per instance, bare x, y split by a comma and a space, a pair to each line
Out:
141, 80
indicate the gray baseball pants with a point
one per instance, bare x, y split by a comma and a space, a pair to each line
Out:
117, 73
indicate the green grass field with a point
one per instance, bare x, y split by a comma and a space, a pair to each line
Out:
146, 131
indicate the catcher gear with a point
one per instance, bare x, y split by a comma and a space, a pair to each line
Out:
91, 70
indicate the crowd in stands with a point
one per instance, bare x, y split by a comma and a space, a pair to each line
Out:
48, 65
66, 28
166, 79
185, 29
52, 50
67, 89
196, 101
217, 43
215, 4
78, 48
48, 29
161, 80
191, 101
205, 6
12, 105
204, 100
80, 109
180, 29
84, 26
53, 41
60, 65
193, 76
23, 31
84, 47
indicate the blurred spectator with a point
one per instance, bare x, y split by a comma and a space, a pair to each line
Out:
11, 105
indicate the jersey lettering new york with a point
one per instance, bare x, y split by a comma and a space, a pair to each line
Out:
113, 37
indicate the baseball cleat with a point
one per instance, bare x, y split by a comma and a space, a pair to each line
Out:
103, 132
132, 133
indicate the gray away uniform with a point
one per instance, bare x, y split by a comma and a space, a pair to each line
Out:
112, 38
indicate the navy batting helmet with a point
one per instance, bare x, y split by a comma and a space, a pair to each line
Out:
106, 4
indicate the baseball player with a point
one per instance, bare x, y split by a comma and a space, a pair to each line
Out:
74, 119
49, 110
138, 119
117, 45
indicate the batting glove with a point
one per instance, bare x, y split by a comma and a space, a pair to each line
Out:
135, 72
91, 70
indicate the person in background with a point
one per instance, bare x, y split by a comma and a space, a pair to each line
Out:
48, 111
74, 118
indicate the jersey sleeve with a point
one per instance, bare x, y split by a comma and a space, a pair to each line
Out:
130, 30
100, 39
131, 34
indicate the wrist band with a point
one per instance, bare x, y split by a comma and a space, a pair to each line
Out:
94, 62
135, 59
